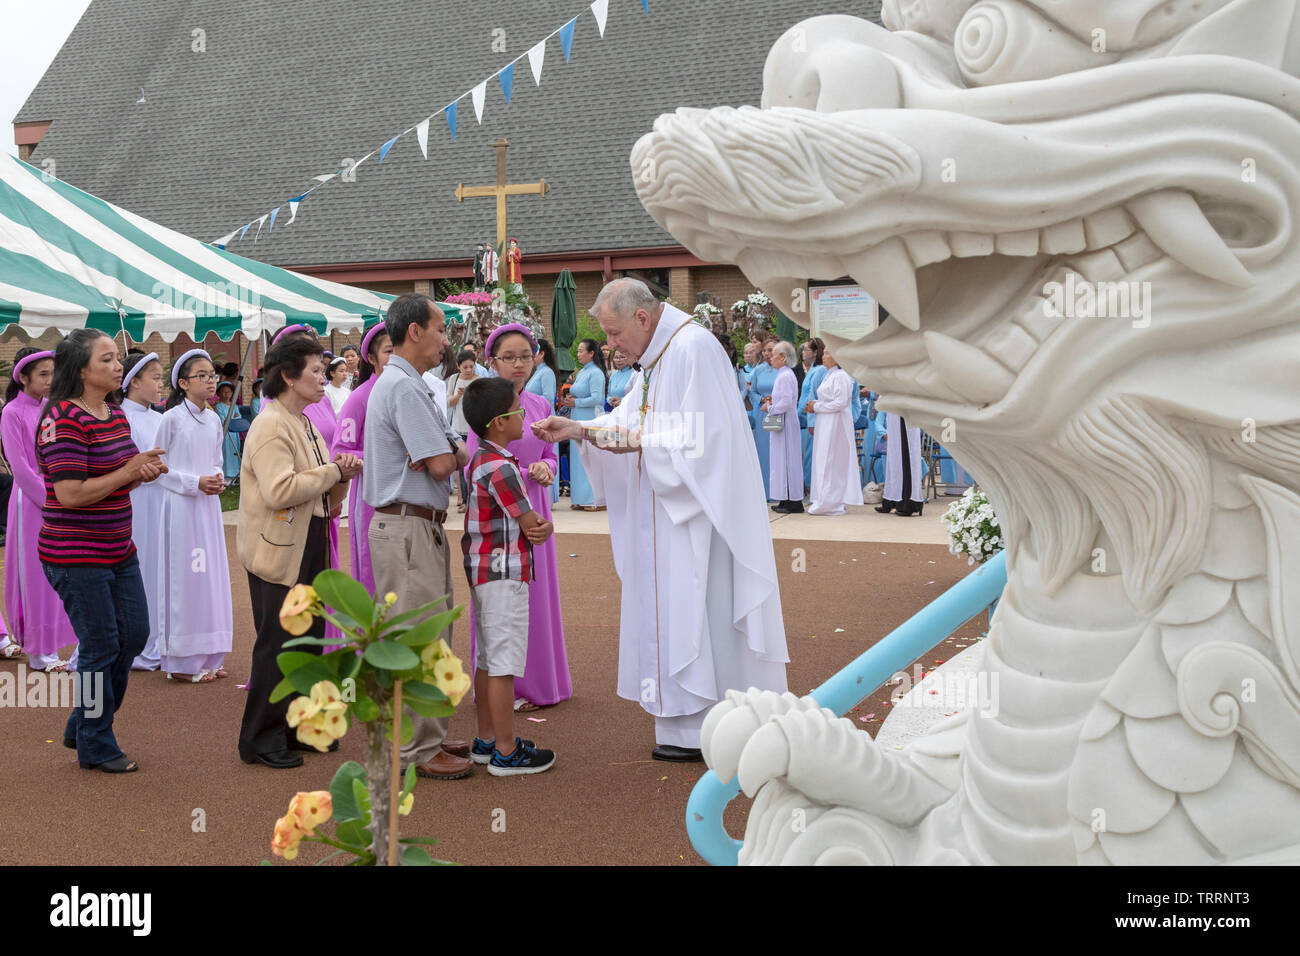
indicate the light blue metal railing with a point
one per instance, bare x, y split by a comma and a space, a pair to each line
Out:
892, 653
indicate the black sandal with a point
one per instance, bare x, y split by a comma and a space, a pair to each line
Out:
119, 765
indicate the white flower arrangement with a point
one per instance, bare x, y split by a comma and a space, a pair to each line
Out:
759, 299
704, 314
972, 527
740, 306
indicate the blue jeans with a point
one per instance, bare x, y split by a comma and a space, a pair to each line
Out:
110, 616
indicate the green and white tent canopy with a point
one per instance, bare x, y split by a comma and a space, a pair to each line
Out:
69, 260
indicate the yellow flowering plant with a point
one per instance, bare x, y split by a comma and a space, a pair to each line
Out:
387, 665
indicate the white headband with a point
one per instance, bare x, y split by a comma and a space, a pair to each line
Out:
180, 363
126, 379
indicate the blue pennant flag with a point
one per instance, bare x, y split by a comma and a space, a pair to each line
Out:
383, 150
645, 5
274, 212
243, 232
566, 37
451, 118
507, 77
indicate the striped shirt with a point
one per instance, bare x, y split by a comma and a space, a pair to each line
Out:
493, 546
73, 445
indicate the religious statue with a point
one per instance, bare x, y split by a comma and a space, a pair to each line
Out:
515, 266
490, 261
1079, 216
479, 253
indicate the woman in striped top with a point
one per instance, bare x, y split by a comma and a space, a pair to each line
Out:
90, 464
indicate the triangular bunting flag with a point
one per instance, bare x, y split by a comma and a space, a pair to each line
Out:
451, 118
600, 10
274, 213
566, 37
507, 78
535, 57
324, 179
383, 150
243, 232
479, 94
645, 5
221, 243
422, 134
293, 208
260, 223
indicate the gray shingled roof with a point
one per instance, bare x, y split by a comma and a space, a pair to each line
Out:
287, 89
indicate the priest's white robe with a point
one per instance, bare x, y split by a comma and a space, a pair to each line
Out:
194, 616
836, 477
786, 477
902, 462
146, 526
701, 609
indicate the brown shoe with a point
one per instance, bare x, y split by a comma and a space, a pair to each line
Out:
445, 767
457, 748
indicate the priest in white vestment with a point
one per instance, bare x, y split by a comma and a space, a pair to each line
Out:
903, 493
701, 609
836, 476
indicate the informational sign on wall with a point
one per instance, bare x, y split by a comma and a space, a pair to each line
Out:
844, 311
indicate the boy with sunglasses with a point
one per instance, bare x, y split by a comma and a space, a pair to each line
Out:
500, 529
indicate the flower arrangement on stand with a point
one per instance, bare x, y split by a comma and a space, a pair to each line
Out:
752, 313
972, 527
389, 664
497, 305
707, 315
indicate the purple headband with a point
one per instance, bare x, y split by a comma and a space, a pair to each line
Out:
506, 330
24, 362
370, 337
126, 380
289, 330
180, 363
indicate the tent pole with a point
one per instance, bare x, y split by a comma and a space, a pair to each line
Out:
239, 390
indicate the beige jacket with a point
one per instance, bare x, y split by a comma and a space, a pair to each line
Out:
280, 488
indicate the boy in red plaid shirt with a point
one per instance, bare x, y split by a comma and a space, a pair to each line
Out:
500, 529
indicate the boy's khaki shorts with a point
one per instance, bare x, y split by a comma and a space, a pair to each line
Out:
501, 627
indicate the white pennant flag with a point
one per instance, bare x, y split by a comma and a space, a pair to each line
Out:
324, 179
535, 57
422, 134
293, 212
260, 223
225, 240
600, 9
479, 93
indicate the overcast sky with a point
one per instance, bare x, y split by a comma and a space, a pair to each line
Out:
32, 35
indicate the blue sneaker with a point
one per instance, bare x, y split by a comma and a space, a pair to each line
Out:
525, 758
481, 751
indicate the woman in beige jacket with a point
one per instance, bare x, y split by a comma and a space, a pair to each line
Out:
288, 487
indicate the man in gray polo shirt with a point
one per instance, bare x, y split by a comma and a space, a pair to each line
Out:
410, 452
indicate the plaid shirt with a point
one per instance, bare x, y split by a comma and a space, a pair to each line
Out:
494, 548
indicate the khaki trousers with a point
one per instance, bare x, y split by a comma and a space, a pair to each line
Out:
410, 557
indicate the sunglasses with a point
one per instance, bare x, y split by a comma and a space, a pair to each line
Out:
517, 411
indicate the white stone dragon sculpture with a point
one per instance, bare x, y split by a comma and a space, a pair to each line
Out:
1145, 468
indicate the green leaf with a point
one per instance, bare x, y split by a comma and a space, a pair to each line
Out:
304, 678
330, 857
408, 784
408, 731
342, 622
391, 656
354, 834
364, 709
414, 856
422, 691
428, 708
310, 642
344, 593
282, 690
290, 661
345, 804
425, 841
426, 632
410, 615
362, 796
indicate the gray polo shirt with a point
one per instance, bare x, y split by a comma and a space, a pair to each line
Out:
403, 424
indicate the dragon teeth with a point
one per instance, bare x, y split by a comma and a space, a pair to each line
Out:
1024, 243
970, 245
886, 271
926, 248
1173, 220
968, 371
1107, 227
1137, 251
1064, 238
